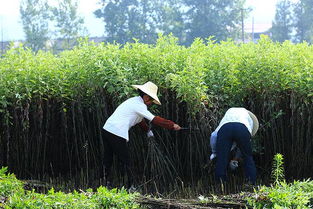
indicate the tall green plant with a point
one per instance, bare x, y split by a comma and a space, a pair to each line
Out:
278, 174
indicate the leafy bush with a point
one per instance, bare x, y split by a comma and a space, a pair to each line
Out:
103, 198
9, 185
280, 194
298, 194
16, 197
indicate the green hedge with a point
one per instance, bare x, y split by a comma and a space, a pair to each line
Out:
205, 69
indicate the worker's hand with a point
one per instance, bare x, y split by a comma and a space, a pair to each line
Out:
176, 127
150, 134
212, 156
233, 164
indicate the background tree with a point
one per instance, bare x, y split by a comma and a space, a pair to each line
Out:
35, 19
172, 20
218, 18
69, 25
143, 20
125, 20
282, 25
304, 21
186, 19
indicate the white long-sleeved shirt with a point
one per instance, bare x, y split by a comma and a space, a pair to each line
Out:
126, 115
237, 114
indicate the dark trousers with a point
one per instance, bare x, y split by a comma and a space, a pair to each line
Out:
229, 133
115, 145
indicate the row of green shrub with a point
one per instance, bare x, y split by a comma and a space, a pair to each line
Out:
13, 195
203, 70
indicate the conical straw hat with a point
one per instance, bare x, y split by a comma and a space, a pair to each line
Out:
151, 89
255, 123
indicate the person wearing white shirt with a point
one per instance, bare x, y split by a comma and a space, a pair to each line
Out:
235, 129
131, 112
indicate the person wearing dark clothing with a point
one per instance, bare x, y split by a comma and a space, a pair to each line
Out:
237, 126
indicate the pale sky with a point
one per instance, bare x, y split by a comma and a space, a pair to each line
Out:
11, 28
261, 16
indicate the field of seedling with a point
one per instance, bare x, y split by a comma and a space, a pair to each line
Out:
53, 107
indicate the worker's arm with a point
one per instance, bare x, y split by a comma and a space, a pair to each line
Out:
143, 125
164, 123
213, 139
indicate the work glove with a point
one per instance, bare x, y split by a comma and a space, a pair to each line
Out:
213, 155
150, 134
233, 164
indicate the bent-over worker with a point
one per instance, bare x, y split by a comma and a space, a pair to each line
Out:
237, 126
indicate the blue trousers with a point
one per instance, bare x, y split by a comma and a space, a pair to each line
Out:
226, 135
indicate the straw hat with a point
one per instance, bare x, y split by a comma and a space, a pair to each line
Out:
151, 89
255, 123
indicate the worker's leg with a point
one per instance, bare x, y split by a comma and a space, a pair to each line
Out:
243, 139
120, 148
107, 157
223, 146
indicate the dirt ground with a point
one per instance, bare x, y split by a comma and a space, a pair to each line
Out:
221, 201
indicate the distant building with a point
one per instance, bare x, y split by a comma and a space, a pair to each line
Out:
58, 45
5, 45
254, 31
